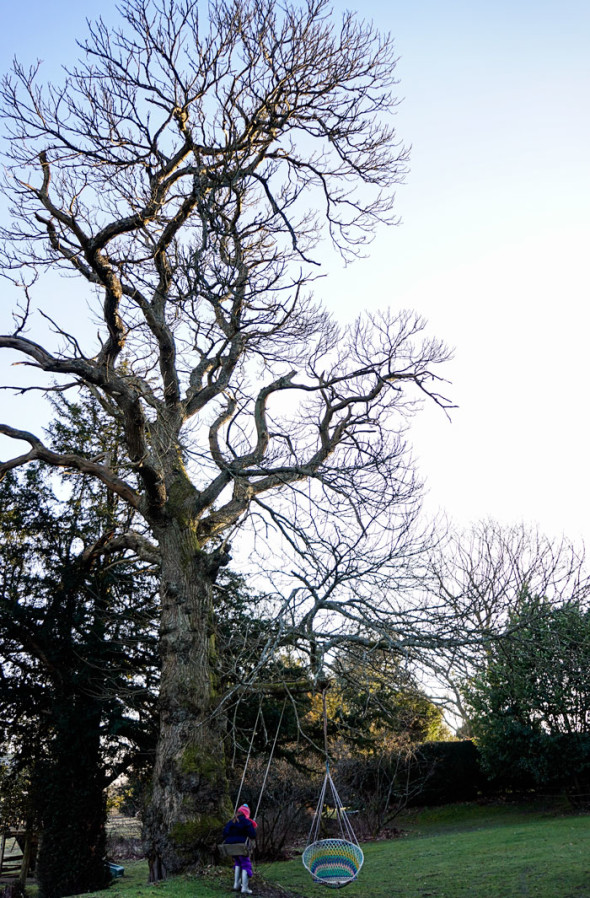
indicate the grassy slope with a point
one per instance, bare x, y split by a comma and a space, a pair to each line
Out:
134, 884
480, 853
451, 852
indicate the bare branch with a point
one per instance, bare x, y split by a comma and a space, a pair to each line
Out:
135, 542
40, 452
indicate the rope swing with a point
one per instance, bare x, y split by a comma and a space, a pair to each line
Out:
244, 848
334, 862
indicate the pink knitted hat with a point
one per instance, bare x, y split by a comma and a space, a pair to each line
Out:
244, 809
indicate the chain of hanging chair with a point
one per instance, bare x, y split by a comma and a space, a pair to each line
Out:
332, 862
344, 824
346, 829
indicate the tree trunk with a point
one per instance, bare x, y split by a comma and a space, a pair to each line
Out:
189, 800
26, 861
72, 851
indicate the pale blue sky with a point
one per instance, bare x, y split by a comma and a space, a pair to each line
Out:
494, 244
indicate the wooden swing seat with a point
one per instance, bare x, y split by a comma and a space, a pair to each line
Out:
235, 849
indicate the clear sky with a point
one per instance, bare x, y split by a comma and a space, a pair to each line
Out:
494, 245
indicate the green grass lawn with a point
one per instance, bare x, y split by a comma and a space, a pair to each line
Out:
134, 884
451, 852
471, 851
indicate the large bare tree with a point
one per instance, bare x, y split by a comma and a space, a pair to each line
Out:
190, 172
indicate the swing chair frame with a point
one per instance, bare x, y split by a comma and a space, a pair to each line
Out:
332, 862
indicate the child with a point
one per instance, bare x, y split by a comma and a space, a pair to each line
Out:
238, 829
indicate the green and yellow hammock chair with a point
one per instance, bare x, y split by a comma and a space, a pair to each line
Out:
332, 862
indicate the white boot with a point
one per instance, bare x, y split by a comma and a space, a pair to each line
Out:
237, 877
245, 889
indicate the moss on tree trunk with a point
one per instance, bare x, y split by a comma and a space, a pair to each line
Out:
189, 797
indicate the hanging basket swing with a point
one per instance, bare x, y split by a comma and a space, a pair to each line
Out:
332, 862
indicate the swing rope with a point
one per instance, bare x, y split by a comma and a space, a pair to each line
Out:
244, 848
333, 862
248, 757
270, 757
272, 751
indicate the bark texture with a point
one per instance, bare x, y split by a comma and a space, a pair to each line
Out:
189, 798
